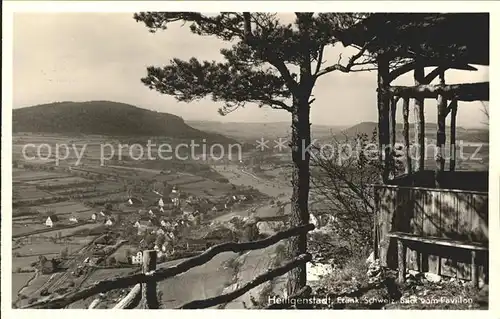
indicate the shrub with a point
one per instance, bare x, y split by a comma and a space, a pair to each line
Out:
111, 261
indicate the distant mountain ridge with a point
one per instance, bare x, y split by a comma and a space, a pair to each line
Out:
105, 118
464, 134
252, 131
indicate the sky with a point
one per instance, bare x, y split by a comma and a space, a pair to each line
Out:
103, 56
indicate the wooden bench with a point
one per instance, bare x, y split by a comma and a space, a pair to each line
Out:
403, 238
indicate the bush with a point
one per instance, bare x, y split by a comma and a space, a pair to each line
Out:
64, 253
111, 261
251, 232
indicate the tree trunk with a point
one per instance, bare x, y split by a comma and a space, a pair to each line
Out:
301, 138
383, 101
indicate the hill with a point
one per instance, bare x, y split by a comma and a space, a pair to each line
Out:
250, 132
105, 118
253, 131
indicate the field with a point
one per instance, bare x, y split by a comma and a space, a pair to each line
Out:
25, 262
206, 187
44, 246
19, 281
34, 286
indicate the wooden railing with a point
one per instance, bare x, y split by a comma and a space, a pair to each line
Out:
144, 294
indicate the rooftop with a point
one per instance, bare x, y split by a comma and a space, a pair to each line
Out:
436, 37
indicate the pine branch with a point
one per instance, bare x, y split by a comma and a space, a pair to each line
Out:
343, 68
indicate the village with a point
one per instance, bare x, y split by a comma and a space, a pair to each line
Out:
72, 224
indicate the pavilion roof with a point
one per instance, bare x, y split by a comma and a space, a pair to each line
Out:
459, 38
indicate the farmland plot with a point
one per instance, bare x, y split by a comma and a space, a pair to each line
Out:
206, 187
25, 262
63, 207
61, 182
28, 193
47, 247
26, 228
70, 231
35, 285
19, 280
22, 175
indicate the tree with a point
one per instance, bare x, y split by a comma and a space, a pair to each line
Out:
343, 179
64, 252
111, 261
269, 64
160, 239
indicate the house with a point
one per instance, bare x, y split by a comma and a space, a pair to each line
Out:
154, 222
137, 259
170, 236
160, 231
188, 210
143, 225
73, 219
94, 217
133, 201
51, 220
218, 208
176, 202
161, 203
165, 223
109, 222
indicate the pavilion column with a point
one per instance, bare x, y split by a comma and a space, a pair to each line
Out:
453, 148
393, 105
406, 134
383, 102
441, 127
419, 78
